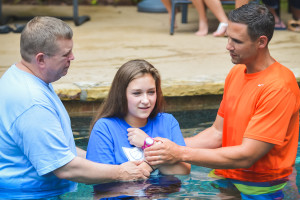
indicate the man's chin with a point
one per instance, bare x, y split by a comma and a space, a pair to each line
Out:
234, 61
64, 72
62, 75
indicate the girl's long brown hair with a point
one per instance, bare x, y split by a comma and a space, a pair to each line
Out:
115, 105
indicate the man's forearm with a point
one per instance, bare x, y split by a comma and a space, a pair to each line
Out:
213, 158
80, 152
210, 138
240, 156
85, 171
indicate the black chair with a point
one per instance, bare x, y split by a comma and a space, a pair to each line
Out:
184, 10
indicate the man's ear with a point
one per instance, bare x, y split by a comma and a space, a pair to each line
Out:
262, 41
40, 59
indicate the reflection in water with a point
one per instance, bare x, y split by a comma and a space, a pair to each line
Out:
156, 187
197, 185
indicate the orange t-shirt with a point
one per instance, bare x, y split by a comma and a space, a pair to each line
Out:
263, 106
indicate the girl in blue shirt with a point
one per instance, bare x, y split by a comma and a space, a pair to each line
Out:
131, 117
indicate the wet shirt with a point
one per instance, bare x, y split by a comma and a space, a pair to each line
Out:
35, 138
262, 106
109, 143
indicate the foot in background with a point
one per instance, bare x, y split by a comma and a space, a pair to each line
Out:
5, 29
19, 28
203, 29
294, 25
280, 25
221, 30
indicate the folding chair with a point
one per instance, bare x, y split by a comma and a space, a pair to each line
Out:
184, 10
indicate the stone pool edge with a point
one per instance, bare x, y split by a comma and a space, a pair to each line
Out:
85, 99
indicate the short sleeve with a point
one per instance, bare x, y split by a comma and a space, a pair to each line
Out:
100, 148
221, 109
40, 136
176, 132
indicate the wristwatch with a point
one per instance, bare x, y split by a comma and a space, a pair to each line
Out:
148, 142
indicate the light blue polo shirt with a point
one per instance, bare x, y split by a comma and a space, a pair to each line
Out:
35, 138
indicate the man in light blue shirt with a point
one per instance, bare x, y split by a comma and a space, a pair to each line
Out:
38, 157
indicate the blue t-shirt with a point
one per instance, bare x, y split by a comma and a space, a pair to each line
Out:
35, 138
108, 138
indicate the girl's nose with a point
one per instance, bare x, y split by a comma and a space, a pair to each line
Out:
145, 99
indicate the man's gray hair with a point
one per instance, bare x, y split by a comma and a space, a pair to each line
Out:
40, 35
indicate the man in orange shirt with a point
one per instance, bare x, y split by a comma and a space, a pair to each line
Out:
253, 141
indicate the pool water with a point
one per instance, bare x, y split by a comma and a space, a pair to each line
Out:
197, 185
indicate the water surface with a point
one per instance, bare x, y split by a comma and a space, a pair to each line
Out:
197, 185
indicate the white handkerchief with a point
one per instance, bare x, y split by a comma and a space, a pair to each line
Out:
134, 153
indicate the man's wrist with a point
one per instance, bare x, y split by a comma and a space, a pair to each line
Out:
153, 169
182, 154
119, 175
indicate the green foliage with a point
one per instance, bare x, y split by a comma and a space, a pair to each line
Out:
94, 2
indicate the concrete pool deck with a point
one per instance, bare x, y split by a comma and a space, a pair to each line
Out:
189, 65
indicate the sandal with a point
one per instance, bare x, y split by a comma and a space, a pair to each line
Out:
19, 28
280, 26
5, 29
221, 30
294, 25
